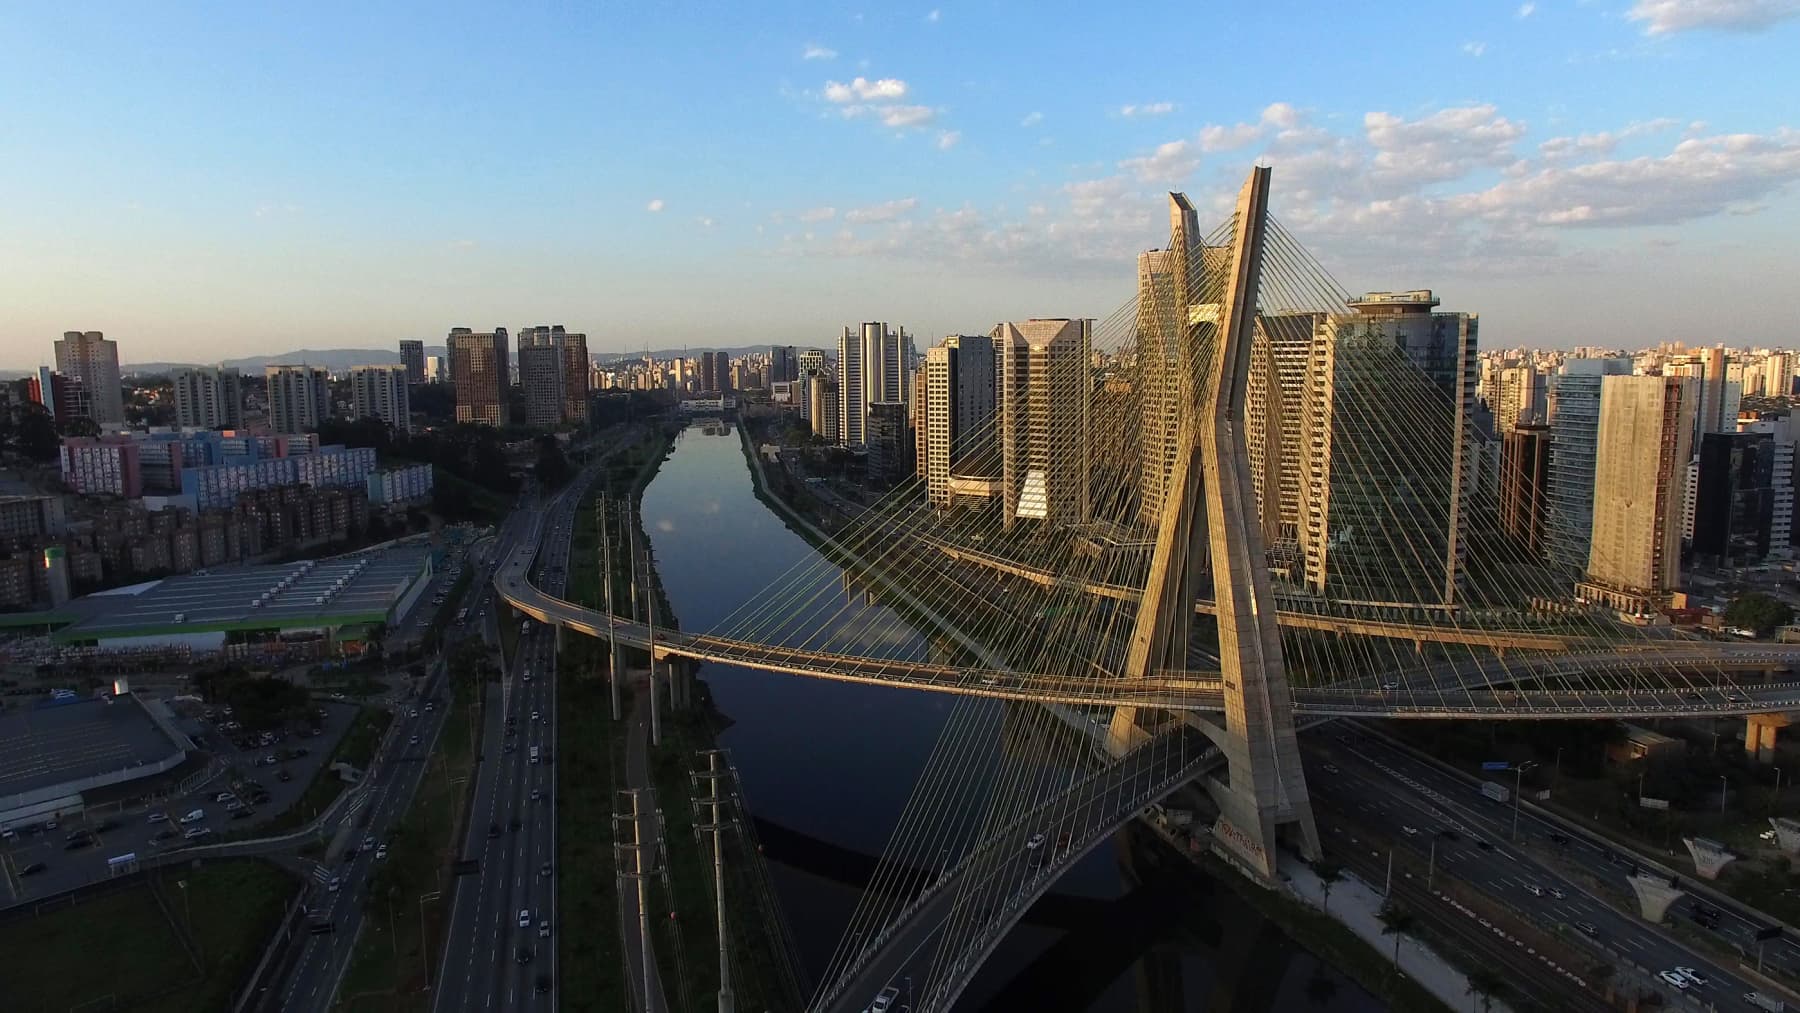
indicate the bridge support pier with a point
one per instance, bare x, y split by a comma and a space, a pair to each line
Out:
1654, 896
1759, 735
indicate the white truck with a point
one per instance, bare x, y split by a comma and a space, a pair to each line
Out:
1760, 1001
1496, 791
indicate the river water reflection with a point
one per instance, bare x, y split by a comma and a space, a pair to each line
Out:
1137, 928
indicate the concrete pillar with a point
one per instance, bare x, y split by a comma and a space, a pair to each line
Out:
1654, 896
1759, 735
1710, 857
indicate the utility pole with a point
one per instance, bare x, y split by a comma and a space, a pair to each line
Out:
711, 775
636, 847
650, 611
606, 578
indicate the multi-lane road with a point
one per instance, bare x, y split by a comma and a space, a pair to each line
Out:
500, 954
1372, 783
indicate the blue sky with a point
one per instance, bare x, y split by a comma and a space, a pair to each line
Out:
205, 182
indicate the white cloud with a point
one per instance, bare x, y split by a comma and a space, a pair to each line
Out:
704, 222
1445, 145
948, 139
1663, 17
934, 15
1032, 119
1475, 49
862, 89
905, 116
1276, 116
1527, 9
815, 51
886, 211
654, 206
1169, 163
818, 214
1147, 109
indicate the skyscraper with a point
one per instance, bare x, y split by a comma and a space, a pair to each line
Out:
299, 396
874, 364
91, 358
209, 397
782, 364
65, 398
1574, 435
381, 392
412, 356
482, 376
1387, 432
957, 401
1641, 456
1520, 399
1045, 386
553, 370
1524, 485
1162, 375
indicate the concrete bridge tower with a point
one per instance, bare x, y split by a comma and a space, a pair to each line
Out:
1212, 523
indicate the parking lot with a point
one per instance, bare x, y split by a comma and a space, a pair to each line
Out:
48, 861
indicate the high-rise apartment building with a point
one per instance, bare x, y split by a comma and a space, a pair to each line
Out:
956, 402
381, 392
1734, 498
1642, 451
823, 397
874, 364
1574, 437
1520, 398
1389, 468
1524, 486
299, 396
482, 375
1280, 357
91, 358
1044, 397
209, 397
887, 443
553, 370
412, 356
811, 360
1163, 377
435, 369
65, 398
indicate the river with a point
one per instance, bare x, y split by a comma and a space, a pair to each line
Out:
835, 762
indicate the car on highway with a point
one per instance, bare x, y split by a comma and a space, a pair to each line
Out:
159, 817
33, 869
524, 918
381, 853
885, 1001
1390, 685
1410, 831
413, 741
1534, 889
536, 795
166, 835
1692, 977
543, 984
544, 929
1330, 768
1674, 979
1558, 894
197, 833
193, 817
524, 955
1588, 928
334, 884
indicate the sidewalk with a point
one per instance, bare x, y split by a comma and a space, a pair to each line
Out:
1355, 905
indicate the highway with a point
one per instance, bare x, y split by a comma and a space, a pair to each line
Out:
491, 960
317, 965
1378, 785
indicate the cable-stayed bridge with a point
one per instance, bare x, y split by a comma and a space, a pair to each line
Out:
1241, 500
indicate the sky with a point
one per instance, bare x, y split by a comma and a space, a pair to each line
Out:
206, 182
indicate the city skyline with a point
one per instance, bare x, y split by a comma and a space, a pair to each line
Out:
292, 208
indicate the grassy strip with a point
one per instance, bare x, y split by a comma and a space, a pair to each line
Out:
356, 748
590, 954
408, 915
120, 951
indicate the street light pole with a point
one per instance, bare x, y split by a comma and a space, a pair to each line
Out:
1723, 783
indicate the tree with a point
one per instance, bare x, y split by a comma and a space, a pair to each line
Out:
1486, 984
1759, 612
1330, 874
1396, 921
552, 465
35, 435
